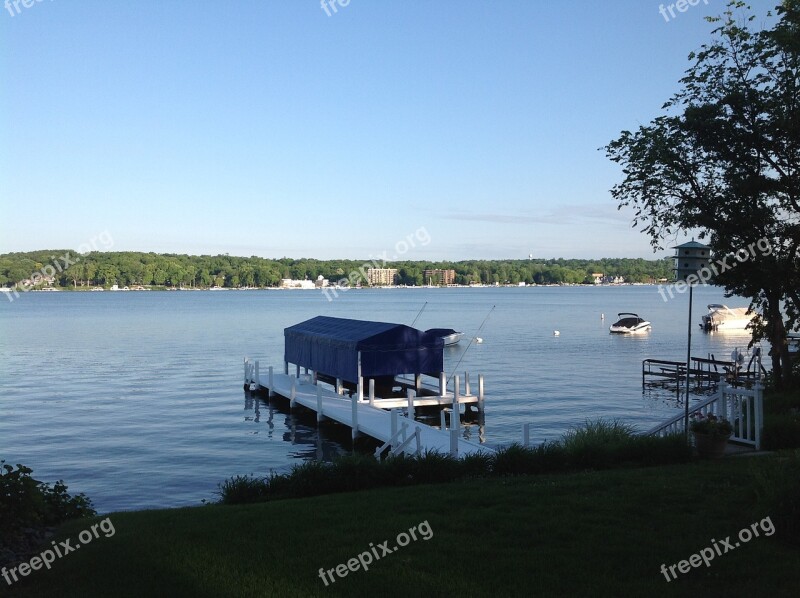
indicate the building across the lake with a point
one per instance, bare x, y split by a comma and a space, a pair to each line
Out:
378, 277
288, 283
440, 277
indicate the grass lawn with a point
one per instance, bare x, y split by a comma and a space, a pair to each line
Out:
590, 534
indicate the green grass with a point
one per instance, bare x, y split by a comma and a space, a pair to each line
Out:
585, 534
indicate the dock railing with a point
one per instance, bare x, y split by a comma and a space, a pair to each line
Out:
744, 408
395, 445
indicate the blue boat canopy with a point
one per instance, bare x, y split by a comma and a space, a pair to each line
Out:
331, 346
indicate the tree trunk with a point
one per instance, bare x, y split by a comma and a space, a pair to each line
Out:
779, 351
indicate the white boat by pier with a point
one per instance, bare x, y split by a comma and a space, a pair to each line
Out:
721, 317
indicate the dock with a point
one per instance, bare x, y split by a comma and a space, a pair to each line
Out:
390, 421
705, 372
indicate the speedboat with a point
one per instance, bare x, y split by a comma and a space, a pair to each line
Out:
629, 323
448, 335
722, 317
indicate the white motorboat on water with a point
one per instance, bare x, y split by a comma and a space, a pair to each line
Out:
630, 323
449, 336
722, 317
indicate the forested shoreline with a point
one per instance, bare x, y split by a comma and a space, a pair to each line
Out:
66, 269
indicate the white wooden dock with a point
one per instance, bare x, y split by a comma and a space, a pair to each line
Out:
378, 418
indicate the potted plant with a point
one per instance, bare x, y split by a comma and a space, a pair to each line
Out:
711, 434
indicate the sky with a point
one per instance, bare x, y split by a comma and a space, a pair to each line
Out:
432, 130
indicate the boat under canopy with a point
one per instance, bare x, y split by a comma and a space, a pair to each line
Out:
449, 335
336, 347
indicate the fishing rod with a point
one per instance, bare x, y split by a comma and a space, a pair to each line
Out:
419, 314
472, 340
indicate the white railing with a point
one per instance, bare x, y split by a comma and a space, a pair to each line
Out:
743, 408
395, 445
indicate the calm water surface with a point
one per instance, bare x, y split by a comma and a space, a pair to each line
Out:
136, 398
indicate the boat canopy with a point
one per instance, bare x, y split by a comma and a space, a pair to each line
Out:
441, 331
331, 346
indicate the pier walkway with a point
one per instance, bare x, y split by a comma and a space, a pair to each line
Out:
398, 433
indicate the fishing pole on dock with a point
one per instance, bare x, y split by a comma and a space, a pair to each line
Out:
472, 340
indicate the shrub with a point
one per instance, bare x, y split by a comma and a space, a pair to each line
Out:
516, 459
476, 465
26, 502
240, 489
434, 467
597, 444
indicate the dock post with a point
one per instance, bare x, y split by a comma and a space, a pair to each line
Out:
418, 434
319, 403
245, 370
466, 384
442, 384
723, 403
410, 394
258, 376
354, 403
418, 382
372, 392
442, 420
338, 386
758, 406
297, 370
526, 434
271, 392
293, 393
393, 429
480, 393
454, 443
360, 379
455, 417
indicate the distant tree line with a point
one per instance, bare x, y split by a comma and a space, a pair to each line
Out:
129, 268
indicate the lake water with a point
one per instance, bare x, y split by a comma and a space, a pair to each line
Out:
136, 398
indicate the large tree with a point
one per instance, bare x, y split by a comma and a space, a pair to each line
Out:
724, 160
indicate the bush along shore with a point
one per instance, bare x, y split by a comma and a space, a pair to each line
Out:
30, 510
597, 445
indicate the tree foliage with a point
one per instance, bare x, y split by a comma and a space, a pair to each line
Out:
170, 270
724, 160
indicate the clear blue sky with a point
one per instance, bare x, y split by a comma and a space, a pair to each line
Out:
272, 129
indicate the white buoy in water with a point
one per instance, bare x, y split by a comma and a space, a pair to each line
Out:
478, 340
556, 333
602, 316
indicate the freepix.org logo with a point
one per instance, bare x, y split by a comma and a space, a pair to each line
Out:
14, 5
680, 6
